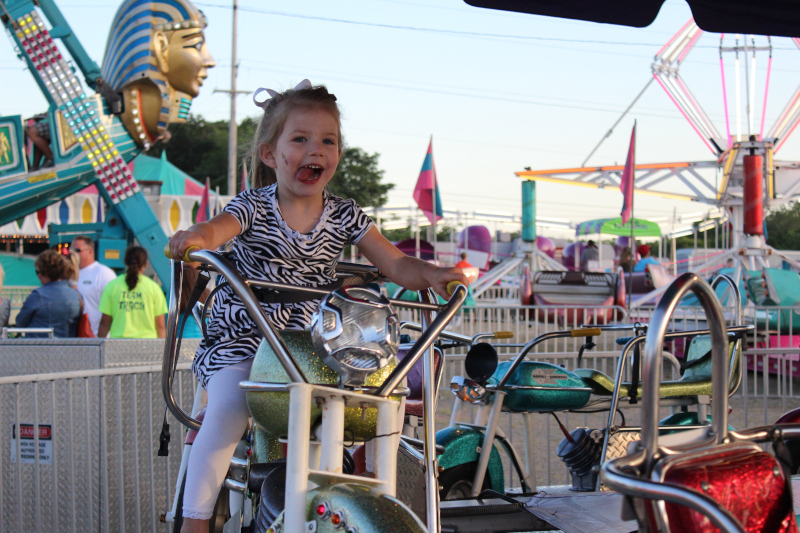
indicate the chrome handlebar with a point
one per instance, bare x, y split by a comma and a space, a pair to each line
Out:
241, 287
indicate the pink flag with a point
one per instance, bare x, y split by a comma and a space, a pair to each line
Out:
426, 193
203, 213
626, 183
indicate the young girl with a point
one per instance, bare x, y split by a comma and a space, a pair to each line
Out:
288, 230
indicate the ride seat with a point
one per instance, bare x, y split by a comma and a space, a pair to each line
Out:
414, 381
695, 381
573, 287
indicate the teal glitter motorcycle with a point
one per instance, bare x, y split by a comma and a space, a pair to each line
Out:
472, 461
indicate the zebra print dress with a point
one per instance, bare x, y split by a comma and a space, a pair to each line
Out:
268, 249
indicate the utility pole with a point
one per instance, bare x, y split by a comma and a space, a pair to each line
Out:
232, 128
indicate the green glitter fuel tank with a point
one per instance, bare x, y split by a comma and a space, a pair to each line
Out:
537, 386
271, 409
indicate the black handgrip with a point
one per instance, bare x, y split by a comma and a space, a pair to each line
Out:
163, 439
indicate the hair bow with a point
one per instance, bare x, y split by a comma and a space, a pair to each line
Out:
305, 84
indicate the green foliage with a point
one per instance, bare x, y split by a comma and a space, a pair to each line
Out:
400, 234
783, 231
783, 228
199, 148
358, 177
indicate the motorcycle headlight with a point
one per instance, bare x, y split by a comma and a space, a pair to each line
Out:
355, 332
466, 389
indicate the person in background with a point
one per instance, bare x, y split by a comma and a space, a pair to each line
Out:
5, 303
644, 251
55, 304
191, 330
38, 131
464, 263
133, 306
589, 254
470, 271
626, 259
92, 278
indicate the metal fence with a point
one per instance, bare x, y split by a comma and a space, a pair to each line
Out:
97, 434
98, 428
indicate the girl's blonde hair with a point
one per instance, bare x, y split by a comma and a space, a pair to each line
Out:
270, 127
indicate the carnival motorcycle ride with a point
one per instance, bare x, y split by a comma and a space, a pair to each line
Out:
472, 462
312, 392
719, 480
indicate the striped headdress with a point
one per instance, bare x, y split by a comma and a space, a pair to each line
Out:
129, 54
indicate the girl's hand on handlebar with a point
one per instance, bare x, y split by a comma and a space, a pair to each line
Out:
183, 240
440, 277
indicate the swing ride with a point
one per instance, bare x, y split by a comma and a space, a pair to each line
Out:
751, 182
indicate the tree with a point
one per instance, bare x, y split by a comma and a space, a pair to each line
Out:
783, 228
198, 148
358, 177
442, 233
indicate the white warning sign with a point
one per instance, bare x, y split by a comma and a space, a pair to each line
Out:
27, 444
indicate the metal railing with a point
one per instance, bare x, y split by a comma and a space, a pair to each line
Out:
24, 332
97, 468
498, 292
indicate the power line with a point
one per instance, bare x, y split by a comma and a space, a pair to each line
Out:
439, 30
427, 30
493, 96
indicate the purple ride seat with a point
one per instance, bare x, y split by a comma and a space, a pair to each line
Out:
414, 380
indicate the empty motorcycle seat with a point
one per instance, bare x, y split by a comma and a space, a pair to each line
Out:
414, 380
695, 381
741, 478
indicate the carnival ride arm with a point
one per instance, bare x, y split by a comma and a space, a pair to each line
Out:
408, 272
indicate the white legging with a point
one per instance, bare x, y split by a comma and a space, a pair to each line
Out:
224, 423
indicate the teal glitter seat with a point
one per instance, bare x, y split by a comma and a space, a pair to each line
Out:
696, 379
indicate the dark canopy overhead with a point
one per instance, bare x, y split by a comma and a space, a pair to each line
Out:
774, 17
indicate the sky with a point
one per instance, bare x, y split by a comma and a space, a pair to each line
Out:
496, 91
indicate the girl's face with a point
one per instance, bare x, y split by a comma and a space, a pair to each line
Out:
306, 154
